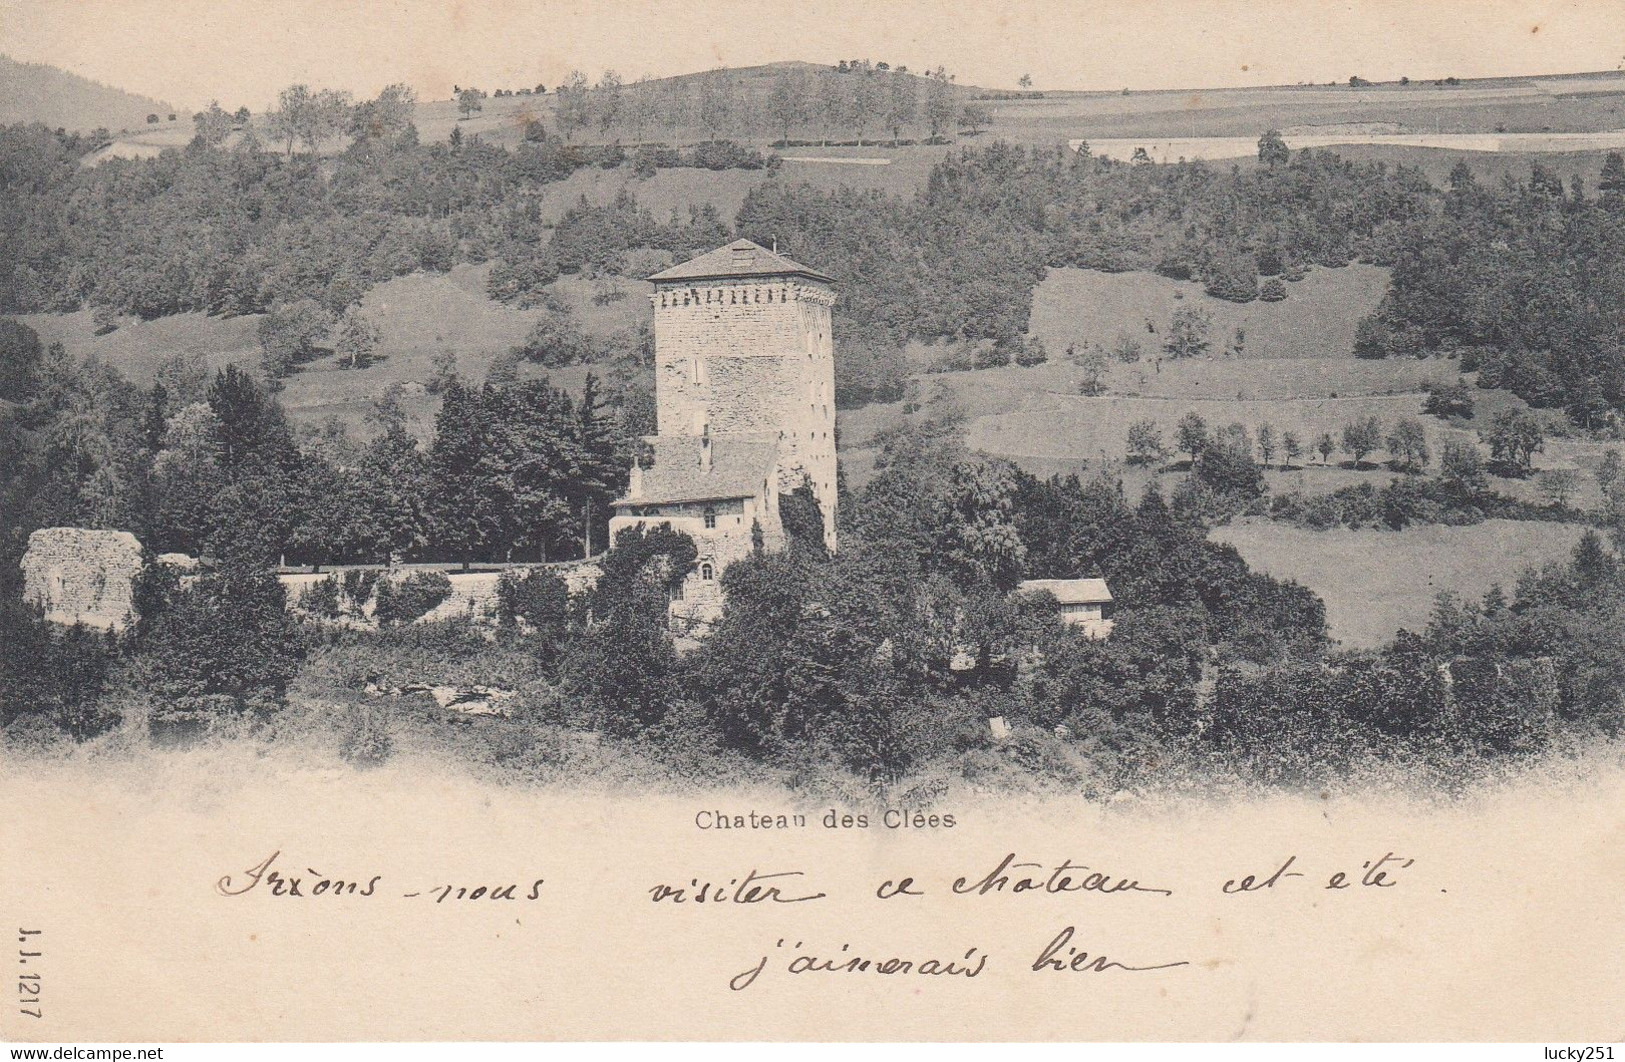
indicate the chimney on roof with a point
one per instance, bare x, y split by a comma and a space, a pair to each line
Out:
705, 449
634, 482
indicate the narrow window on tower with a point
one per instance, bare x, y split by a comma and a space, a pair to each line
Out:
706, 572
710, 516
694, 369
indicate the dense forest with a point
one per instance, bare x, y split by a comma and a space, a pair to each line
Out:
1523, 279
521, 470
1526, 281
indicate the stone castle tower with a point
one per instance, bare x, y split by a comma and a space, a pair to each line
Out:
742, 345
745, 406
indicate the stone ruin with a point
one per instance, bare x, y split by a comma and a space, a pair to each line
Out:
82, 576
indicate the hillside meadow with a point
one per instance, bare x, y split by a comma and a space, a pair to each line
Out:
1376, 582
1316, 320
418, 316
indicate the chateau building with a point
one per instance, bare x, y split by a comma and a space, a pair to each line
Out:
745, 410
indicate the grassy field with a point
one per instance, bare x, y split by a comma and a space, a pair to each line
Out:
1376, 582
1561, 103
1296, 371
1316, 320
417, 316
1578, 103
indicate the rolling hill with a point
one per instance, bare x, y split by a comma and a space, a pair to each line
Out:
35, 92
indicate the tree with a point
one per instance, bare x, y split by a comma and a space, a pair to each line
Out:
903, 104
1325, 446
386, 118
574, 110
392, 496
1608, 471
623, 668
1557, 485
1092, 364
556, 340
1272, 149
716, 103
1449, 400
1612, 183
1025, 81
940, 110
1461, 472
312, 118
1291, 448
223, 646
1361, 437
1191, 435
1226, 464
784, 103
1266, 443
976, 117
608, 99
469, 103
357, 339
979, 536
643, 107
444, 363
1515, 437
1188, 333
867, 102
462, 512
213, 125
1145, 445
20, 352
291, 334
601, 470
1408, 445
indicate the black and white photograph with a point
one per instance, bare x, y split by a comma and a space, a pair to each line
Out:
741, 520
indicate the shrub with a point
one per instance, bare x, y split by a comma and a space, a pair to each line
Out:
1273, 290
366, 740
522, 279
321, 598
640, 262
411, 598
358, 586
556, 340
1030, 351
1232, 277
724, 155
1449, 400
539, 599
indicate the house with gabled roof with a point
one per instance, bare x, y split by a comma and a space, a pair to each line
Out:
1083, 603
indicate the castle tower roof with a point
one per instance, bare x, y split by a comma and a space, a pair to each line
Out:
742, 258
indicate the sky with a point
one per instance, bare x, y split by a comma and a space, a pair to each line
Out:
187, 52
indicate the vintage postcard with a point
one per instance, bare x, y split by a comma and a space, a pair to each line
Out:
822, 521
